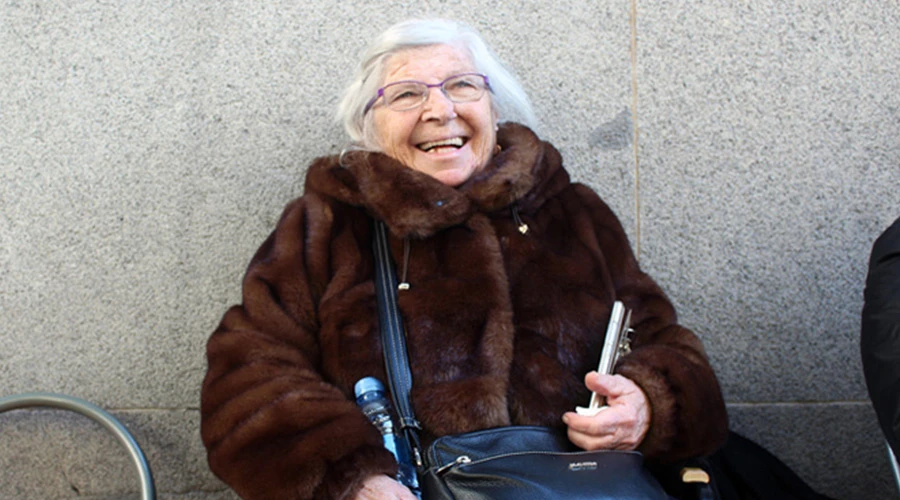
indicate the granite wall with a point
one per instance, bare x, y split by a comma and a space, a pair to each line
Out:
147, 148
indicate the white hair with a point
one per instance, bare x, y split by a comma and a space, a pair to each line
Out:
507, 96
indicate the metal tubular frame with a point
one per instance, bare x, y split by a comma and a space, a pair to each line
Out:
99, 415
895, 468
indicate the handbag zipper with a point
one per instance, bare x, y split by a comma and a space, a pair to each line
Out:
466, 460
462, 459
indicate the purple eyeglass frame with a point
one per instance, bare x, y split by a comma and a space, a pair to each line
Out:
380, 94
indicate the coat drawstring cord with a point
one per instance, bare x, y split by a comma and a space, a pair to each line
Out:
523, 228
404, 285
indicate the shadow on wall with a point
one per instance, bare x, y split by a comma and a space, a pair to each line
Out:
615, 134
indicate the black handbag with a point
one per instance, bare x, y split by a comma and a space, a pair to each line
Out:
522, 462
517, 462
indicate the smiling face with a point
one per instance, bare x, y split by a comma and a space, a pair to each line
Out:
446, 140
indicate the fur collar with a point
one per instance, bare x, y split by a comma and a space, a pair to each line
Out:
524, 174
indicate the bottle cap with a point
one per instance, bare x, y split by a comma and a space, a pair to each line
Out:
367, 384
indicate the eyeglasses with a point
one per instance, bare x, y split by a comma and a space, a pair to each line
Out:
409, 94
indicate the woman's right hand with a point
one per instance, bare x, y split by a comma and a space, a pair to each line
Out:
622, 426
382, 487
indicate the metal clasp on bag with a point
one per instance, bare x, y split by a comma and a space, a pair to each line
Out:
462, 459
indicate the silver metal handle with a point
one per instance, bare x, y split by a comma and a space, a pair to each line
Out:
615, 344
94, 412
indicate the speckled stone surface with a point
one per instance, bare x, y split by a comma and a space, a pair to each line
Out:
147, 148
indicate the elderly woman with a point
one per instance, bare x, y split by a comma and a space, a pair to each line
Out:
512, 272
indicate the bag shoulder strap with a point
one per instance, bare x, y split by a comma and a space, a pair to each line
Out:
393, 337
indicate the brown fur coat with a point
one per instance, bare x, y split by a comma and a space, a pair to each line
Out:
502, 325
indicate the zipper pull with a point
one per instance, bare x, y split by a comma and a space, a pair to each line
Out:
462, 459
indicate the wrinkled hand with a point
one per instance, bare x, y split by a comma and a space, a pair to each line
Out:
382, 487
622, 426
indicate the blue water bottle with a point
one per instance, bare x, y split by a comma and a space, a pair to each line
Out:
371, 399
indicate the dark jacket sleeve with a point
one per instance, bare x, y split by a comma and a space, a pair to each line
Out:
880, 333
668, 362
272, 426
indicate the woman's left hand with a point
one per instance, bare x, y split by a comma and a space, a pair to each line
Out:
622, 426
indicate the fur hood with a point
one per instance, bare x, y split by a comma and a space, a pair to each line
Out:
501, 324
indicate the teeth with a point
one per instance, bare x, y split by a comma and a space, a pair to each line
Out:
456, 141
